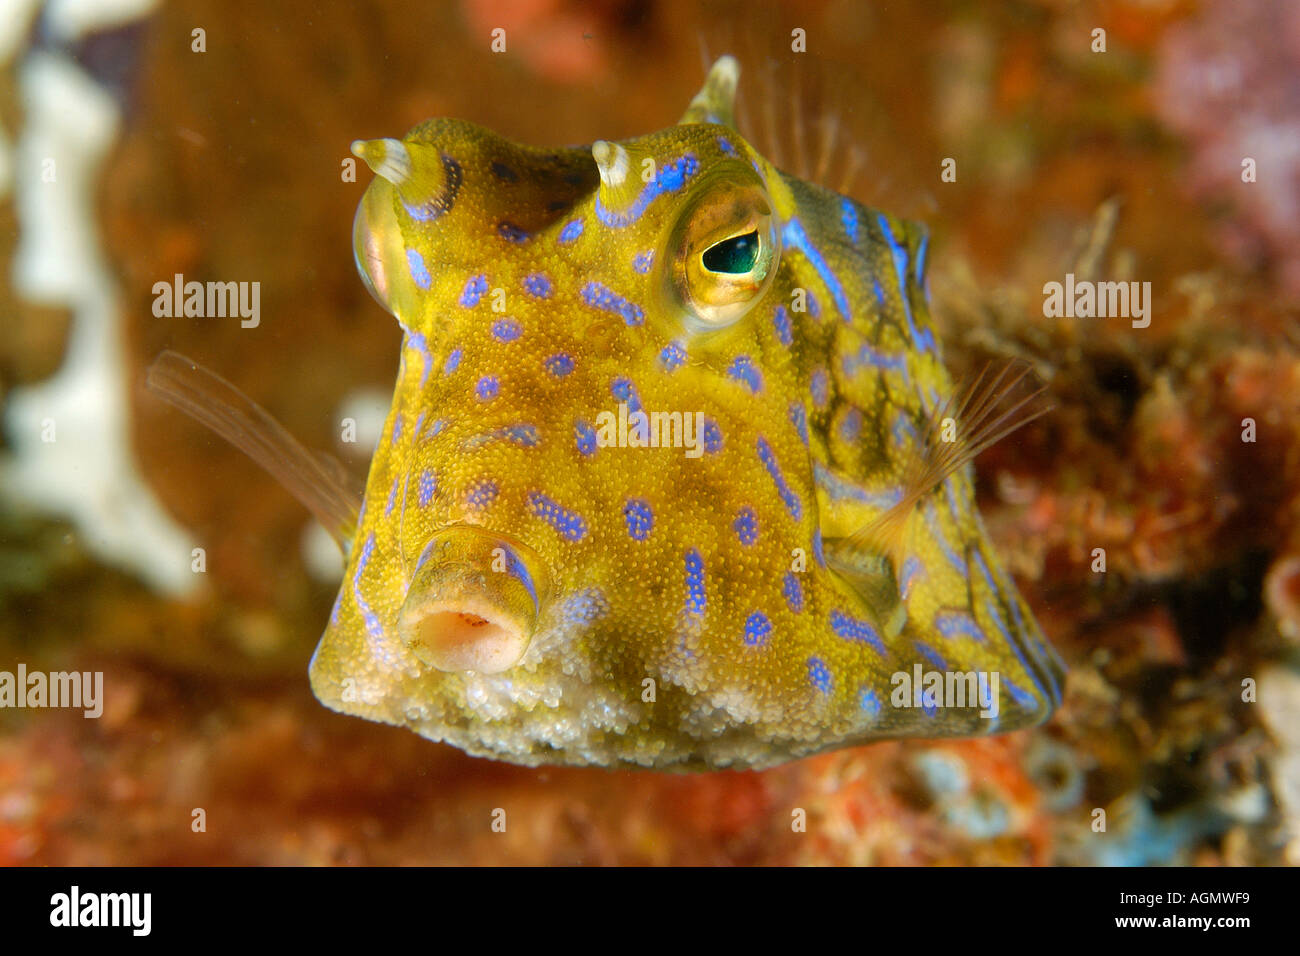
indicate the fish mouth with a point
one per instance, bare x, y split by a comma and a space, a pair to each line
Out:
466, 636
473, 603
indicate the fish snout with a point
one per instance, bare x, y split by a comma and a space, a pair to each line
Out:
473, 603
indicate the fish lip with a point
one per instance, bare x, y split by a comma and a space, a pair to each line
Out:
474, 601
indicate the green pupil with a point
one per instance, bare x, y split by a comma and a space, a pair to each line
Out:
736, 255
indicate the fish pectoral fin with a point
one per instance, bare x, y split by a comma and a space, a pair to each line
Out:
319, 481
872, 580
976, 417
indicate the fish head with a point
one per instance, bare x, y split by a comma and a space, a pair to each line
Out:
595, 529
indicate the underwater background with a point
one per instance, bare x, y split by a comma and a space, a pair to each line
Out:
1181, 718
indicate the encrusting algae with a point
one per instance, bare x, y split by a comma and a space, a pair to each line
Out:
673, 476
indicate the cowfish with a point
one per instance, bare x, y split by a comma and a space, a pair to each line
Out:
673, 477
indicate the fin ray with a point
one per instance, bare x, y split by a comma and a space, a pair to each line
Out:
979, 419
320, 482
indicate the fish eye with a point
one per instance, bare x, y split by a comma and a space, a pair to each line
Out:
725, 251
735, 256
377, 244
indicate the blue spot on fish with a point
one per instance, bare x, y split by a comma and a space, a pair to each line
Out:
788, 495
781, 321
586, 437
672, 356
560, 364
957, 624
757, 628
819, 674
799, 419
868, 357
571, 231
569, 524
792, 590
851, 425
841, 489
820, 387
640, 519
537, 284
482, 493
373, 627
933, 657
794, 237
1053, 689
1021, 696
849, 217
742, 369
517, 569
599, 297
712, 436
487, 388
506, 330
746, 526
854, 629
392, 495
419, 273
903, 431
426, 487
523, 435
695, 598
642, 261
474, 291
623, 390
868, 702
814, 305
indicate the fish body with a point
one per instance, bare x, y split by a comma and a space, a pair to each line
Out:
650, 394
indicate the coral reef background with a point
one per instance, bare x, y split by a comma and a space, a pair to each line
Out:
1123, 164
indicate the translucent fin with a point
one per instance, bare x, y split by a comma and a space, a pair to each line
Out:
320, 482
802, 124
975, 418
872, 579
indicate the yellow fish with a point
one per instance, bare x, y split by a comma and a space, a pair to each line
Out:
673, 476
